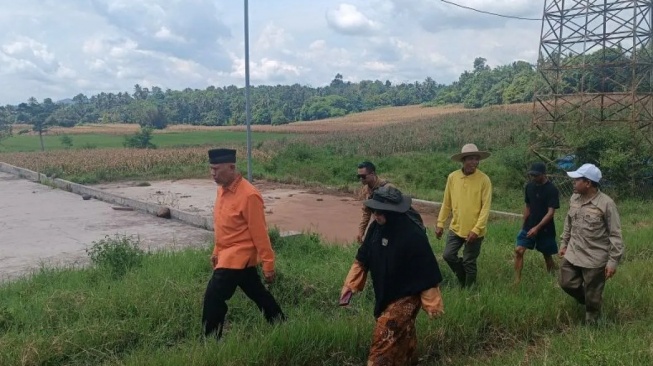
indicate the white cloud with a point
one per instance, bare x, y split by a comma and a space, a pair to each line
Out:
272, 37
265, 69
59, 49
378, 66
164, 33
347, 19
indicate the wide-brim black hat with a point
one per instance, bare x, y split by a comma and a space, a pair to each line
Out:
389, 199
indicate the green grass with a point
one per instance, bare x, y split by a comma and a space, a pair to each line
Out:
151, 315
26, 143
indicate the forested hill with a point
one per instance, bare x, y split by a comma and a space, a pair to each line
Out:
278, 104
478, 87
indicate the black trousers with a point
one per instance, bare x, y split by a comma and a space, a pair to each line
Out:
222, 286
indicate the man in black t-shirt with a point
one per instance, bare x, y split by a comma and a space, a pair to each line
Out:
538, 231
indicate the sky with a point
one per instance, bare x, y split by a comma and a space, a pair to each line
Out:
60, 48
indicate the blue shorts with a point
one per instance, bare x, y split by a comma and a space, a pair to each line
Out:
544, 244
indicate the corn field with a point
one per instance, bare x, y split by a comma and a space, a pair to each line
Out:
89, 166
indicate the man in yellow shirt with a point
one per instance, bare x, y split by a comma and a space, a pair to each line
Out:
467, 198
241, 242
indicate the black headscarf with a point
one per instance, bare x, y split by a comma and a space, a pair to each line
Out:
399, 258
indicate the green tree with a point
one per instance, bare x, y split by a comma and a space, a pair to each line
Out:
7, 118
39, 115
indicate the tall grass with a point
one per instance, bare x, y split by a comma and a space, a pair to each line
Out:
151, 314
416, 156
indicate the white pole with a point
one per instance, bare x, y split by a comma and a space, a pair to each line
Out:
248, 113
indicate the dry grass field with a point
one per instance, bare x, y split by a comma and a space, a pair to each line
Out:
352, 122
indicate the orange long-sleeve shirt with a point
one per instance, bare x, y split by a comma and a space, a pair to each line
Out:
241, 234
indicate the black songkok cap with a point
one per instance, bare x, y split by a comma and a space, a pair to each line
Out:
220, 156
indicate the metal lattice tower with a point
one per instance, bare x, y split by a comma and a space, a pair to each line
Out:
596, 75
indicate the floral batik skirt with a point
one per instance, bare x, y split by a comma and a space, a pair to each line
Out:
395, 338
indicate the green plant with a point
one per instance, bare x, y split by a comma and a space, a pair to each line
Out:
141, 139
117, 254
66, 141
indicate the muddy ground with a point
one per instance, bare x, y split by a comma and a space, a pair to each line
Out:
42, 226
333, 215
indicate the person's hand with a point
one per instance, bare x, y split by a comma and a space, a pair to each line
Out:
434, 314
532, 232
214, 261
269, 276
562, 252
438, 232
471, 237
609, 272
345, 296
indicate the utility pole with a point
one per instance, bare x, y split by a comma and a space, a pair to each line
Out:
248, 112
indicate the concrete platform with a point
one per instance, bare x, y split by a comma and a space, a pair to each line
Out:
40, 225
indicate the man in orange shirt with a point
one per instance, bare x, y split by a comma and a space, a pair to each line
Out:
241, 241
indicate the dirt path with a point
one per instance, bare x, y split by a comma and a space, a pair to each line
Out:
333, 215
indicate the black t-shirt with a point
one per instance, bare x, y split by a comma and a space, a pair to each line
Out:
539, 197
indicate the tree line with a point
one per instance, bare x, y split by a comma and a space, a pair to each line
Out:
216, 106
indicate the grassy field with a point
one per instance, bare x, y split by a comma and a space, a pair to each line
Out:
91, 141
414, 154
151, 314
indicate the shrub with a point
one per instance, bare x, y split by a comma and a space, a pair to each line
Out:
116, 254
140, 140
66, 141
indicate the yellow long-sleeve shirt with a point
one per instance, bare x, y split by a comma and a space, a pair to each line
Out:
467, 198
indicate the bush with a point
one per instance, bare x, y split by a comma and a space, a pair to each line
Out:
117, 255
66, 141
140, 140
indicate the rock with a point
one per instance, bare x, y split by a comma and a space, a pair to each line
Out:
163, 212
320, 199
269, 212
86, 197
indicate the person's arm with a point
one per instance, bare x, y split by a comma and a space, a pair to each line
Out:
255, 216
527, 207
365, 221
553, 203
445, 209
613, 224
547, 218
565, 236
214, 254
486, 202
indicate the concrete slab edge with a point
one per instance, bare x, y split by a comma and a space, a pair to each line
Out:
493, 213
150, 208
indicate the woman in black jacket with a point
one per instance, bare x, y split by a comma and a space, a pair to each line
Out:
405, 276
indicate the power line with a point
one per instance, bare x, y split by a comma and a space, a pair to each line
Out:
489, 12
